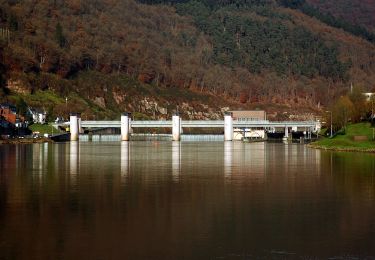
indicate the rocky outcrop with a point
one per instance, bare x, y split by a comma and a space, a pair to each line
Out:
99, 101
18, 87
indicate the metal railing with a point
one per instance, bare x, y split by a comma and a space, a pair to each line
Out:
197, 123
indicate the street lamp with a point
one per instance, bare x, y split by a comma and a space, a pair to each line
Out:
66, 105
331, 121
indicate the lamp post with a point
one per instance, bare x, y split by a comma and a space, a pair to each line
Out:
66, 105
331, 121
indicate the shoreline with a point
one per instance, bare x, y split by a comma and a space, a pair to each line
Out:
342, 149
26, 141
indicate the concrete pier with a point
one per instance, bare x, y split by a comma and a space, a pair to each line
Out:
125, 126
176, 128
286, 132
74, 130
79, 119
228, 127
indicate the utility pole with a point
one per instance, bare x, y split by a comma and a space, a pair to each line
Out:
331, 125
66, 105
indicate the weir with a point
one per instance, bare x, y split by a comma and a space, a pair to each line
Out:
176, 124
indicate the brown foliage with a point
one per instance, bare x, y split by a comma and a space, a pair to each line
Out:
145, 77
144, 42
244, 97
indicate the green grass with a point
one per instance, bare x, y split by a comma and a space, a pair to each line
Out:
39, 98
44, 129
346, 142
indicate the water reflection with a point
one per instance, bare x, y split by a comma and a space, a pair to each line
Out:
209, 200
176, 160
38, 159
125, 160
228, 158
74, 159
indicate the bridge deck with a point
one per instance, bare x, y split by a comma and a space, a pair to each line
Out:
197, 124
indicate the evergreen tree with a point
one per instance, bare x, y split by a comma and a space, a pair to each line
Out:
13, 22
60, 38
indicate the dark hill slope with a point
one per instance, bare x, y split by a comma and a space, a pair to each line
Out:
360, 12
254, 53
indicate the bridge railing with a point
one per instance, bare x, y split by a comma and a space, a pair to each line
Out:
199, 123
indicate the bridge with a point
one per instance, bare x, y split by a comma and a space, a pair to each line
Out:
228, 124
199, 124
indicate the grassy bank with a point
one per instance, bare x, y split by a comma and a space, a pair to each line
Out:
346, 141
44, 129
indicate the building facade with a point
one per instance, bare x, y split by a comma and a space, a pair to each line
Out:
8, 112
249, 115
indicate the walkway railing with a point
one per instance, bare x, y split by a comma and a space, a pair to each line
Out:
197, 124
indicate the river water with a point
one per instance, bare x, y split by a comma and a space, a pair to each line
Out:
189, 200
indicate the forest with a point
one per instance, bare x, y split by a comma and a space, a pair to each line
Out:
250, 52
330, 19
355, 12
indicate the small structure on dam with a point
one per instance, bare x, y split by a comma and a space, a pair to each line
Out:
257, 132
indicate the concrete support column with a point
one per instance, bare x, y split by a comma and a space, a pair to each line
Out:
80, 129
286, 132
74, 127
176, 128
228, 127
125, 126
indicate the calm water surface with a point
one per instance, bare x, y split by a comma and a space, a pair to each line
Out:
163, 200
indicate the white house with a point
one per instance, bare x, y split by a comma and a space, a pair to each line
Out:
39, 116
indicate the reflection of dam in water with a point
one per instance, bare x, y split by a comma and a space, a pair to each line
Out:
74, 158
223, 194
152, 137
238, 159
125, 159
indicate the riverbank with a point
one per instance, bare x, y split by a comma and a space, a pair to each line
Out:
44, 129
26, 140
357, 138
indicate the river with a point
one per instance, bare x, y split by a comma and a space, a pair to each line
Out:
188, 200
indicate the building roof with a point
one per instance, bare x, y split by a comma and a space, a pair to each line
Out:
11, 107
36, 110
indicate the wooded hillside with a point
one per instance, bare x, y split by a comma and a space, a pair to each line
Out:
356, 12
255, 52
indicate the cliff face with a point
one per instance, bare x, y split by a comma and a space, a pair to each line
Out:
111, 56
